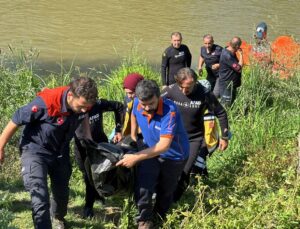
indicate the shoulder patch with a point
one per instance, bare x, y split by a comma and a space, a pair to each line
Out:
60, 120
34, 109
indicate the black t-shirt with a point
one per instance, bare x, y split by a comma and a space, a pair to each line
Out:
96, 118
211, 58
193, 106
172, 60
230, 70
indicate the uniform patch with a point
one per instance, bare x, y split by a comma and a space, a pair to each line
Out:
237, 67
82, 116
34, 109
60, 120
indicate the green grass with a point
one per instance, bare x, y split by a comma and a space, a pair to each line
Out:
253, 184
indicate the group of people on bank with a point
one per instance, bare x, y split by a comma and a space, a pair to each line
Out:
223, 65
166, 124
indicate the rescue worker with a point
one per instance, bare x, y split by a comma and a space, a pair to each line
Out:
230, 71
175, 57
121, 134
159, 166
98, 136
192, 100
129, 85
210, 55
50, 122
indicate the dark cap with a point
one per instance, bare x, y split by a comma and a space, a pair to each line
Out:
132, 80
261, 30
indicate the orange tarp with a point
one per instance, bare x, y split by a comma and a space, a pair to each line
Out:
246, 48
285, 55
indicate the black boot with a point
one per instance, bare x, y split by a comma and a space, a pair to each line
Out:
88, 212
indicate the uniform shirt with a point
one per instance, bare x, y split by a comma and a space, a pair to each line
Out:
96, 118
230, 70
211, 58
49, 126
166, 122
193, 106
172, 60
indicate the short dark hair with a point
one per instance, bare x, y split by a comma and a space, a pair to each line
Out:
209, 36
185, 73
146, 89
235, 42
84, 87
176, 34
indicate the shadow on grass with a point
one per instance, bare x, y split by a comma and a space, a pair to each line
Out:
103, 214
18, 206
84, 224
13, 186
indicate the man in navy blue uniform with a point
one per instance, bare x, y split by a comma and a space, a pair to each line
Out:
230, 72
210, 55
50, 122
98, 136
175, 57
159, 166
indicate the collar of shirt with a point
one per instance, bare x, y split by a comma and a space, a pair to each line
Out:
159, 110
64, 108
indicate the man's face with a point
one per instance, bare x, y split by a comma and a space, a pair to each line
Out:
78, 104
151, 105
208, 43
237, 48
186, 86
176, 41
236, 45
129, 93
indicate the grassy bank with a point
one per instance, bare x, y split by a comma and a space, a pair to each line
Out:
253, 184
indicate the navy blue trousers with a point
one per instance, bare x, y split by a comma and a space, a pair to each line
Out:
160, 176
228, 93
35, 170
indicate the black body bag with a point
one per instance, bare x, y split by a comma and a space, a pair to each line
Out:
102, 173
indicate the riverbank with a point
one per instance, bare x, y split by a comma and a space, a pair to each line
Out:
253, 184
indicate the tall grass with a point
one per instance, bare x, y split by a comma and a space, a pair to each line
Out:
253, 184
111, 85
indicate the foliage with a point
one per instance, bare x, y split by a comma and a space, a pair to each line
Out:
111, 86
6, 216
254, 183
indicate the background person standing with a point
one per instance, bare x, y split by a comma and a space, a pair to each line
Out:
175, 57
230, 73
210, 55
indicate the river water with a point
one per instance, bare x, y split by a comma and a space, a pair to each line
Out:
95, 33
